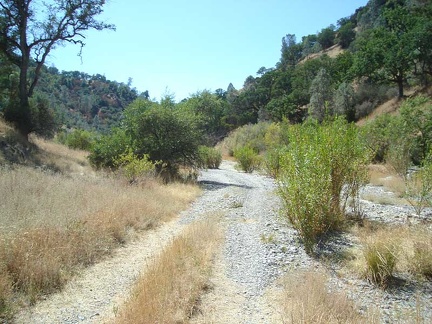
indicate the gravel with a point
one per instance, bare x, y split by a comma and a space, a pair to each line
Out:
259, 248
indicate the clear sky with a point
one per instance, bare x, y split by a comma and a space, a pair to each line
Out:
182, 47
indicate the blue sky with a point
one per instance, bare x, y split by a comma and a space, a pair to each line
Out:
182, 47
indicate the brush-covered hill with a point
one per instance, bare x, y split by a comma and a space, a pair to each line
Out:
378, 53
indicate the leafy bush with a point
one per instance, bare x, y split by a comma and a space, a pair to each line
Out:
272, 159
168, 135
209, 157
248, 159
322, 167
106, 151
133, 167
78, 139
402, 140
252, 136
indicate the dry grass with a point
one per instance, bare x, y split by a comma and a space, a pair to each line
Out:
306, 299
410, 248
50, 224
169, 290
62, 158
382, 175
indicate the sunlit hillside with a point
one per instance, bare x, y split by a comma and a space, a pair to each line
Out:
58, 215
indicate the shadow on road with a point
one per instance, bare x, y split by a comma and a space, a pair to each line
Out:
214, 185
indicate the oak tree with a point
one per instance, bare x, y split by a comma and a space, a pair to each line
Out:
30, 29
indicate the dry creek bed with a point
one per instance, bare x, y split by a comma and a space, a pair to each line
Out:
259, 248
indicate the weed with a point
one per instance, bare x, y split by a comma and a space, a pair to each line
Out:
380, 262
268, 239
320, 162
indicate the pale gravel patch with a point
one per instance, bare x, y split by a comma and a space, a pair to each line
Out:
248, 264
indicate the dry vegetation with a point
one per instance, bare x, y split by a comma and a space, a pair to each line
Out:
53, 223
387, 250
169, 290
382, 175
307, 299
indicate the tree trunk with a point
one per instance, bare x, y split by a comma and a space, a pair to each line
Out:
23, 118
400, 84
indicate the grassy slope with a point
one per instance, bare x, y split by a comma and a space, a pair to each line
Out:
58, 215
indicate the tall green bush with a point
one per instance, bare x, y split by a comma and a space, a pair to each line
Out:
78, 139
106, 151
252, 136
209, 157
322, 167
248, 159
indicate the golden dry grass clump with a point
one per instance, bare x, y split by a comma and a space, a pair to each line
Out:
168, 290
52, 223
307, 299
387, 250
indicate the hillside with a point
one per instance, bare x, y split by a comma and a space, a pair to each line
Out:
331, 68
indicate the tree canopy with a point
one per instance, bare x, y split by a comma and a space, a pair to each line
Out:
29, 30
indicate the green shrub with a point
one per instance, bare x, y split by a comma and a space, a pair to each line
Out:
78, 139
168, 135
380, 261
106, 151
248, 159
322, 167
403, 139
272, 161
209, 157
252, 136
132, 167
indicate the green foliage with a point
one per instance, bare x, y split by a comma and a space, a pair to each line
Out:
248, 158
326, 37
133, 167
78, 139
416, 114
107, 149
319, 163
167, 134
343, 100
291, 52
209, 157
272, 160
387, 53
250, 135
43, 119
211, 109
346, 35
320, 105
419, 186
402, 140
